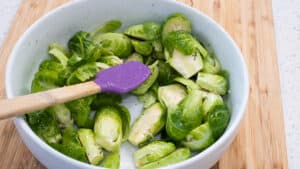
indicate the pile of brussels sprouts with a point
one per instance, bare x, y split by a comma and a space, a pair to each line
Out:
183, 106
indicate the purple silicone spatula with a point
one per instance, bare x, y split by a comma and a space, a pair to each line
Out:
119, 79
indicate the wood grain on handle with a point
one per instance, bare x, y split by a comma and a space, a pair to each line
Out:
41, 100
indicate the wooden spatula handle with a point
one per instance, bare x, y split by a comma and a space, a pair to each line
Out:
36, 101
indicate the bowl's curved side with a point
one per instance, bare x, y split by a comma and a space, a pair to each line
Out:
86, 14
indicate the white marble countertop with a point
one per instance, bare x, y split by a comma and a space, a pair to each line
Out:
287, 26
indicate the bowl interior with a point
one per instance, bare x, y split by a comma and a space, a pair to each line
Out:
61, 24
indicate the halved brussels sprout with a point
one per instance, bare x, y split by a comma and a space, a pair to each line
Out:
190, 84
135, 57
153, 152
176, 22
218, 119
166, 73
44, 124
170, 96
93, 151
158, 49
112, 160
210, 101
183, 53
109, 26
83, 73
117, 43
62, 114
148, 124
108, 128
148, 98
142, 47
177, 156
157, 46
70, 145
199, 138
211, 64
186, 65
143, 88
58, 53
44, 80
112, 125
146, 31
125, 115
82, 49
185, 117
213, 83
110, 60
51, 72
81, 110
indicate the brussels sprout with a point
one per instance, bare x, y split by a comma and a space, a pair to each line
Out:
186, 65
111, 60
148, 124
182, 52
125, 115
77, 43
181, 41
112, 160
51, 65
185, 117
117, 43
148, 98
211, 64
111, 127
218, 119
153, 152
166, 73
213, 83
44, 124
135, 57
104, 99
109, 26
170, 96
158, 49
93, 151
83, 73
54, 67
143, 88
44, 80
190, 84
82, 49
142, 47
51, 74
75, 59
176, 22
59, 54
210, 101
199, 138
71, 146
81, 109
146, 31
63, 115
177, 156
157, 46
108, 128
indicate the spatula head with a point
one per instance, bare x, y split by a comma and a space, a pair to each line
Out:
122, 78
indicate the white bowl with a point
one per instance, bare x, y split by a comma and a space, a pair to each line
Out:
60, 24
